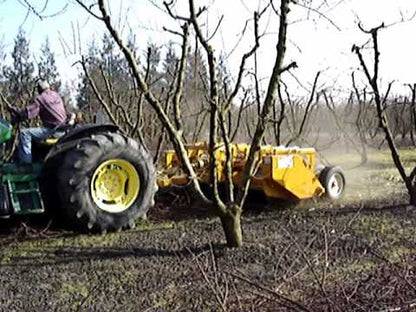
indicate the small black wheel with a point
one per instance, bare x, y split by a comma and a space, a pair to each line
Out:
333, 180
106, 182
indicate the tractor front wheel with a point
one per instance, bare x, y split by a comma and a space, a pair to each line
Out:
106, 182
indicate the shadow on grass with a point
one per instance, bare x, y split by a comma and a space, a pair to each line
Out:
176, 206
65, 255
21, 226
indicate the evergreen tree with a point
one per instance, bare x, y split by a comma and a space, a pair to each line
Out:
47, 68
20, 75
3, 81
131, 44
110, 60
125, 68
153, 59
108, 70
86, 100
196, 77
2, 58
169, 64
223, 77
2, 65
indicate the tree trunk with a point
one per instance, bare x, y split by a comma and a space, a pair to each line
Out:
364, 157
232, 226
412, 137
413, 197
411, 188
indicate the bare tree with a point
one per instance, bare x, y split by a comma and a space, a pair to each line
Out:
306, 113
229, 208
113, 86
380, 102
349, 129
413, 112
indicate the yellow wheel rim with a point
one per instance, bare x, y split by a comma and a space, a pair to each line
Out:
115, 185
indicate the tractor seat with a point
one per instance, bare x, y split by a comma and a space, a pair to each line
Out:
47, 141
59, 132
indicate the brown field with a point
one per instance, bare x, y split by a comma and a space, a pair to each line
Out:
358, 254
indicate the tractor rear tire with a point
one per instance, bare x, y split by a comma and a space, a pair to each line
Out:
106, 182
333, 181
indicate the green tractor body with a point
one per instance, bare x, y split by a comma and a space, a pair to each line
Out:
93, 176
19, 189
6, 130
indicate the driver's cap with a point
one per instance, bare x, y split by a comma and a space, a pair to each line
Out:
43, 85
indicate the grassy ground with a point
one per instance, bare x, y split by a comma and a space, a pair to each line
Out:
358, 254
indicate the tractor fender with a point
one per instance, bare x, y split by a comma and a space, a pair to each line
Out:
87, 130
71, 139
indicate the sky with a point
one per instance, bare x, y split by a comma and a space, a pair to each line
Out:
317, 42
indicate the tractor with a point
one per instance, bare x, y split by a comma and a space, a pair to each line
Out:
98, 179
93, 176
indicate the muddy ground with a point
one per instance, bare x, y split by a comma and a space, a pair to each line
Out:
358, 254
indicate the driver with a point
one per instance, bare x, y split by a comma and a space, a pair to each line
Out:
48, 105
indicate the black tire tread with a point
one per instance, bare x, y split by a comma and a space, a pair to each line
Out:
75, 173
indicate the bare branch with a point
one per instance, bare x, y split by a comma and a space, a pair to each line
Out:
243, 61
110, 93
383, 102
98, 94
319, 13
287, 302
213, 100
289, 67
88, 9
174, 16
268, 104
181, 77
172, 31
216, 28
307, 109
4, 99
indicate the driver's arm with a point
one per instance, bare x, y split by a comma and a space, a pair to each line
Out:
31, 111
